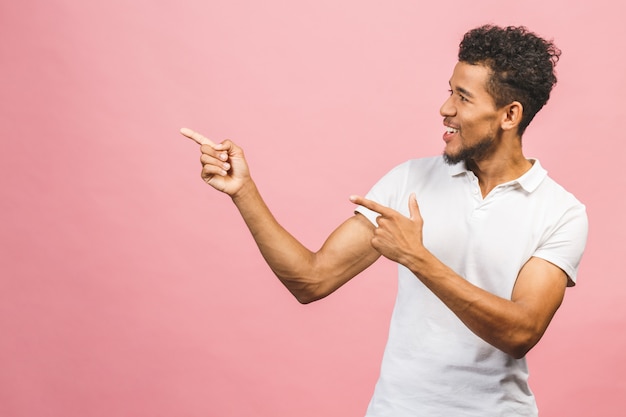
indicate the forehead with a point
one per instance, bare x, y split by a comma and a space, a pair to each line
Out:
471, 78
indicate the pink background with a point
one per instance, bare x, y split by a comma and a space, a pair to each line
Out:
130, 288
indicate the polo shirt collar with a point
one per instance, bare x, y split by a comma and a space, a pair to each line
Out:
458, 169
533, 177
529, 181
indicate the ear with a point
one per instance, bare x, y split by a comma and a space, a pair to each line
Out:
512, 115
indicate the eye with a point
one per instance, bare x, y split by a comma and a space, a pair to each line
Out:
461, 96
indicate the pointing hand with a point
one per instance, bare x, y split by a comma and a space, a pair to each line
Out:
397, 237
223, 164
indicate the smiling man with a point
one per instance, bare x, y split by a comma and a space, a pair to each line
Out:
485, 241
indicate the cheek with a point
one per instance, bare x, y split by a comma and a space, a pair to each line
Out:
486, 125
469, 128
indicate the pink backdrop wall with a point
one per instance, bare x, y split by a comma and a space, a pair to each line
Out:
130, 288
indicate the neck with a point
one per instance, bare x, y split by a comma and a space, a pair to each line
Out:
504, 165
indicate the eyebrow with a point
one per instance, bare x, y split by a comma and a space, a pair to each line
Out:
462, 91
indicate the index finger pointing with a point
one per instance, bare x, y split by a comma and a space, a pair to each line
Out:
368, 204
196, 137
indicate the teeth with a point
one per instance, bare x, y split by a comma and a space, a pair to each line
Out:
451, 129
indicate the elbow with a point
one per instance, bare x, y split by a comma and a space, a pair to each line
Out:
305, 293
308, 284
521, 344
306, 298
518, 352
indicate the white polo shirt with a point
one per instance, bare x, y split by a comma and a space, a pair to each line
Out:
433, 364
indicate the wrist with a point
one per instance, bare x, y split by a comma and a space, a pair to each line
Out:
247, 189
421, 261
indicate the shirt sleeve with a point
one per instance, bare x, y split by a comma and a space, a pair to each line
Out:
386, 191
566, 244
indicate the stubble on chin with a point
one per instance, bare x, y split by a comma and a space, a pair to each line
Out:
476, 152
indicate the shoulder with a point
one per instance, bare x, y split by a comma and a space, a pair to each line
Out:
565, 226
557, 198
426, 165
541, 186
413, 172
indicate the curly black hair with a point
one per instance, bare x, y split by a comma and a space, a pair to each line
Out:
521, 63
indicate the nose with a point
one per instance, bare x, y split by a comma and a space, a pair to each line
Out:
447, 108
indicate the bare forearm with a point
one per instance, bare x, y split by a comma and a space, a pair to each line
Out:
309, 276
291, 261
513, 327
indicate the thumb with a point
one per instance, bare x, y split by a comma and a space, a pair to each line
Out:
414, 210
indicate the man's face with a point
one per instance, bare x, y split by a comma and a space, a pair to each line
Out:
470, 115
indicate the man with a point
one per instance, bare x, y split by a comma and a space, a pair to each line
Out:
484, 258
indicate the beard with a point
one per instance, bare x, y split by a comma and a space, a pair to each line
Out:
475, 152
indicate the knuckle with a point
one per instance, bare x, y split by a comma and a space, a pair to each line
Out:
208, 170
